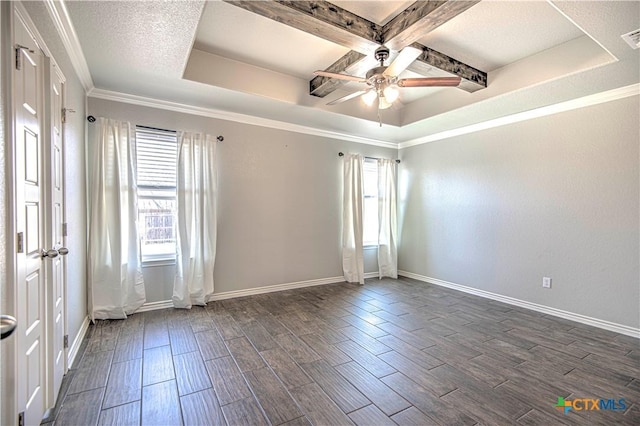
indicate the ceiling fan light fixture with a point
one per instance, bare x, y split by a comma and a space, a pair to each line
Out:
391, 93
383, 103
369, 97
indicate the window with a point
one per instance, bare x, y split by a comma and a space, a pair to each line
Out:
370, 207
157, 152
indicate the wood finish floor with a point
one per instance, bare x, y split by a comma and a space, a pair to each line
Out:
390, 352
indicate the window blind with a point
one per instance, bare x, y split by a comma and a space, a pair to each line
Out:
157, 152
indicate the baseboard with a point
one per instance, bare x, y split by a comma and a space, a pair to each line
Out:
583, 319
77, 341
151, 306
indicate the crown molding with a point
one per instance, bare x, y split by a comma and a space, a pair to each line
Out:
62, 22
232, 116
585, 101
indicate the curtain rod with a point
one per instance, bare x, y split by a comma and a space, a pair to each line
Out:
341, 154
91, 119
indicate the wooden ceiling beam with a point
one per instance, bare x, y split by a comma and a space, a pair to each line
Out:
330, 22
419, 19
472, 79
351, 63
321, 19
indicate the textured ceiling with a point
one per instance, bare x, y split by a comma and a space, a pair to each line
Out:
218, 56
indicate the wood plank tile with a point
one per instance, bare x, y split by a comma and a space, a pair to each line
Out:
272, 396
191, 374
370, 415
211, 345
182, 340
371, 387
369, 343
318, 407
416, 355
510, 407
81, 408
157, 365
201, 408
160, 404
245, 412
373, 364
122, 415
411, 417
200, 320
343, 393
401, 322
285, 368
537, 417
438, 411
155, 334
272, 325
93, 373
419, 374
296, 348
420, 342
300, 421
327, 351
244, 354
227, 327
258, 336
364, 326
128, 348
125, 383
227, 380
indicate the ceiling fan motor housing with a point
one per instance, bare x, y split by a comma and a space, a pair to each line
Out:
381, 54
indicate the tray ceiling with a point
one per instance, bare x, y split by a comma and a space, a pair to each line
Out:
218, 55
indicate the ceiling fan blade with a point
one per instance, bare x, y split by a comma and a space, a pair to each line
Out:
402, 61
340, 76
429, 81
347, 97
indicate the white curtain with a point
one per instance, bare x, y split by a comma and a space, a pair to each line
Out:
353, 193
116, 286
387, 219
197, 222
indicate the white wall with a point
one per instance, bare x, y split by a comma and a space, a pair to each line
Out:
74, 173
556, 196
280, 201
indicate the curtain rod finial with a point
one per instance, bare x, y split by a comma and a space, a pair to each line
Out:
91, 118
340, 154
220, 138
397, 161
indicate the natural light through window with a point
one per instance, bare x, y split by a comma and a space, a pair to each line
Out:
156, 172
370, 207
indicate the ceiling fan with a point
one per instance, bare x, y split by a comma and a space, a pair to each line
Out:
383, 80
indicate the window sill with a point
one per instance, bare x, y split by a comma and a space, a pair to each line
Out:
370, 247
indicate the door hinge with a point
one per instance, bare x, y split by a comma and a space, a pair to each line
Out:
64, 230
20, 242
64, 113
19, 48
65, 341
21, 418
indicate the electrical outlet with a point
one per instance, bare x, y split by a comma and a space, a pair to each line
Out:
546, 282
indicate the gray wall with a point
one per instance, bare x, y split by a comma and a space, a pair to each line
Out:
74, 174
556, 196
279, 203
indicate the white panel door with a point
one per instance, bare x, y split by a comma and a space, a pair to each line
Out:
55, 284
30, 273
